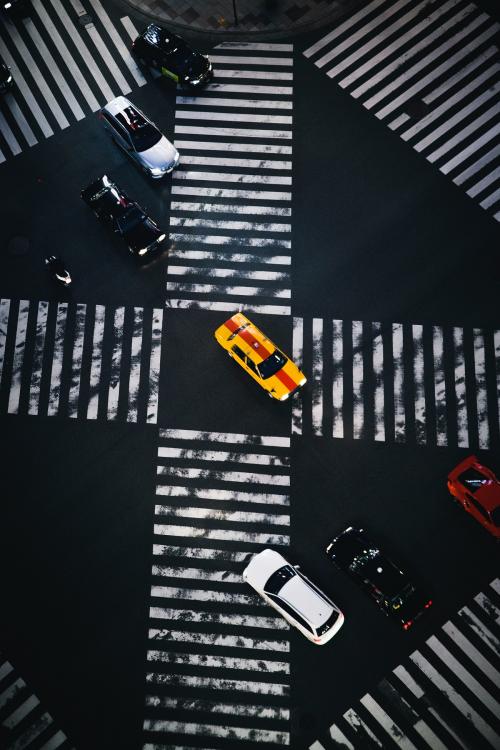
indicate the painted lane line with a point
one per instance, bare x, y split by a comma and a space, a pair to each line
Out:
207, 192
108, 59
196, 616
96, 362
481, 390
188, 304
76, 361
4, 324
116, 362
57, 359
223, 225
439, 385
117, 41
478, 627
221, 534
298, 358
220, 662
223, 476
338, 380
232, 177
213, 683
231, 208
212, 101
224, 456
385, 721
217, 639
317, 46
230, 516
225, 437
213, 707
232, 132
472, 652
237, 291
54, 70
229, 273
154, 366
220, 495
398, 383
378, 374
135, 365
357, 379
317, 376
226, 146
227, 257
36, 371
70, 63
206, 595
460, 388
18, 357
214, 161
20, 119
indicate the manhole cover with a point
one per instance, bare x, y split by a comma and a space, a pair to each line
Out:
18, 245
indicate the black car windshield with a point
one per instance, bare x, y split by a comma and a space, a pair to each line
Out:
473, 479
130, 219
272, 364
278, 579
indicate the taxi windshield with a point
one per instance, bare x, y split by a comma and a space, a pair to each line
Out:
272, 364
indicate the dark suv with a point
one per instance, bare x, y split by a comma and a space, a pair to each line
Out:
170, 54
391, 589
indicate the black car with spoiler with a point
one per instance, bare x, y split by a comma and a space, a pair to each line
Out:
391, 589
112, 206
169, 53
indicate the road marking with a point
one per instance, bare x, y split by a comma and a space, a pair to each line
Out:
76, 364
18, 357
135, 365
154, 366
378, 374
460, 389
116, 361
96, 362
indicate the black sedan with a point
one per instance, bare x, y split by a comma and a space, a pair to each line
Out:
112, 206
391, 589
169, 53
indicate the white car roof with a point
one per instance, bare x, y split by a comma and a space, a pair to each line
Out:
306, 601
118, 105
263, 565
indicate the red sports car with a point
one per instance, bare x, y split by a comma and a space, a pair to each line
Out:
476, 488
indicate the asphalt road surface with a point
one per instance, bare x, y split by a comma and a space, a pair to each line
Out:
141, 468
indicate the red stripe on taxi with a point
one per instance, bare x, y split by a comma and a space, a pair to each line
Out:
286, 380
256, 345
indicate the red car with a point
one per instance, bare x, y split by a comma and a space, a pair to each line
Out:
476, 488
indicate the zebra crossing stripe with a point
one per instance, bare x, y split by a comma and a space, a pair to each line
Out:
280, 480
488, 606
266, 498
4, 322
17, 363
238, 709
222, 515
337, 380
36, 373
76, 364
439, 386
481, 393
317, 376
96, 361
118, 43
9, 136
116, 361
135, 366
20, 119
220, 662
469, 150
57, 359
213, 730
386, 723
154, 366
478, 627
417, 724
224, 456
342, 27
359, 726
217, 639
418, 379
358, 410
399, 385
378, 374
472, 652
236, 620
253, 148
201, 101
460, 390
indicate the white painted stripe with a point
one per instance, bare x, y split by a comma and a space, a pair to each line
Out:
485, 159
398, 121
247, 89
456, 699
464, 71
464, 675
217, 639
385, 721
5, 669
201, 553
36, 372
480, 186
54, 742
76, 362
228, 273
357, 380
154, 366
117, 41
21, 712
423, 82
9, 136
231, 516
24, 89
257, 60
487, 605
460, 389
232, 132
226, 146
359, 727
238, 291
54, 70
469, 150
439, 385
458, 116
129, 27
201, 574
317, 376
219, 662
30, 734
208, 115
216, 257
263, 46
338, 30
472, 652
337, 736
213, 683
481, 390
4, 323
226, 437
491, 199
87, 57
359, 34
282, 480
207, 192
298, 357
233, 177
206, 595
193, 616
36, 75
108, 59
189, 304
116, 361
378, 375
62, 49
495, 585
215, 161
255, 75
411, 716
95, 365
225, 456
212, 494
231, 208
239, 226
338, 381
396, 63
2, 157
480, 629
213, 730
212, 101
135, 366
221, 534
464, 133
238, 709
408, 680
389, 49
20, 119
496, 344
9, 693
18, 357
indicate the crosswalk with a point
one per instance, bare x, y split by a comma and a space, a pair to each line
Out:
80, 361
436, 385
446, 695
430, 72
230, 215
24, 722
218, 659
67, 60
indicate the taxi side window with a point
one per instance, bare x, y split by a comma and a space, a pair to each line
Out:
239, 353
252, 366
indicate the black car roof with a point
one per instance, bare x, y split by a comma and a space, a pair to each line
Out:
161, 38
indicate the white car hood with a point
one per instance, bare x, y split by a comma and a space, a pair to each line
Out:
162, 155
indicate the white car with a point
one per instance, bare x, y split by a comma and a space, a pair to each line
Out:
295, 597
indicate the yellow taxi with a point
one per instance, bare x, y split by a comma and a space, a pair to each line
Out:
256, 354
